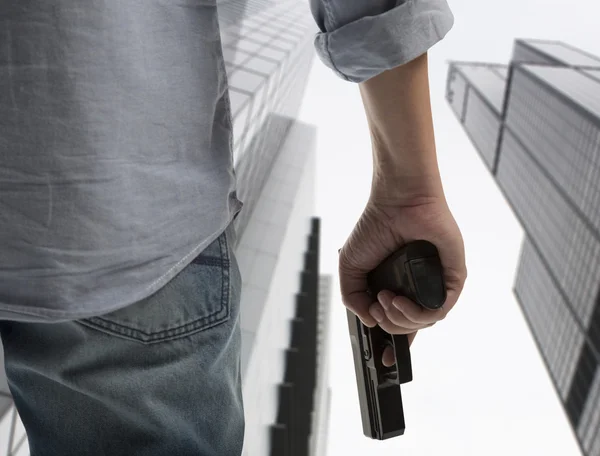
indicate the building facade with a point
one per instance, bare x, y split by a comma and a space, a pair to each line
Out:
536, 125
268, 51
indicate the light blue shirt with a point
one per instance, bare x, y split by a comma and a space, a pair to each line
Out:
116, 167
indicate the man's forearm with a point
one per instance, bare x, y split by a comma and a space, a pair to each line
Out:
398, 109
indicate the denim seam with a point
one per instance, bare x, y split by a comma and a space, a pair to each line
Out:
135, 334
226, 282
225, 276
199, 324
210, 261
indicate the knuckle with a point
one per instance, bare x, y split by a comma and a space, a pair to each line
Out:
397, 322
387, 327
343, 262
392, 316
352, 307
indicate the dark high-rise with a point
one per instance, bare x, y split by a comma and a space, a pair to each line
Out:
536, 125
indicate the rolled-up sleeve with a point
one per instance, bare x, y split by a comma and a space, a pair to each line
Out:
360, 39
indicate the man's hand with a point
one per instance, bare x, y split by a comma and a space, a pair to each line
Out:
384, 227
406, 204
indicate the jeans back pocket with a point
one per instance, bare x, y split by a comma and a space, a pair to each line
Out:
196, 299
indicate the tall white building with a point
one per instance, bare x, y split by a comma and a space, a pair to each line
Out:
322, 404
268, 51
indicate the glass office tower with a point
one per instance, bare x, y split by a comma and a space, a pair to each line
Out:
536, 125
268, 52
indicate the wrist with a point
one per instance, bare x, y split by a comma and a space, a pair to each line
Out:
399, 115
405, 189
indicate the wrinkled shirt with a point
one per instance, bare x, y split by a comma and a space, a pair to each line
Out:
116, 166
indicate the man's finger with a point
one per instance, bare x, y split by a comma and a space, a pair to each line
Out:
377, 312
386, 298
399, 319
359, 303
391, 328
417, 314
388, 357
353, 286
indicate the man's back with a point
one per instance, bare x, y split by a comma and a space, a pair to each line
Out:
116, 167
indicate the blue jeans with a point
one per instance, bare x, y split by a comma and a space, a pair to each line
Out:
160, 377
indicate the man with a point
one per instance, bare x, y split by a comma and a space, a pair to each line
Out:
119, 290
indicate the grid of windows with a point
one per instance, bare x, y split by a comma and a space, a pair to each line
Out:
321, 415
524, 53
572, 84
594, 326
476, 95
488, 83
548, 168
589, 425
569, 247
558, 135
483, 126
268, 55
558, 336
263, 140
234, 11
456, 92
587, 365
565, 53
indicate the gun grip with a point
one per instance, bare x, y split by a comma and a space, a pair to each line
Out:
414, 271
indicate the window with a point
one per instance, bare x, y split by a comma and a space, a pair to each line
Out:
237, 99
246, 81
261, 65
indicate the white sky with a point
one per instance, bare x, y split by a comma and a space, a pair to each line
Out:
480, 386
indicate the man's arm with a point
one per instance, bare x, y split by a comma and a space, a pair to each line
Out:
398, 111
382, 45
407, 201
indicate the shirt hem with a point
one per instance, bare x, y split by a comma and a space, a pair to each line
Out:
45, 315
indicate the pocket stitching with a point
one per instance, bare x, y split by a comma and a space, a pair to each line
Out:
200, 324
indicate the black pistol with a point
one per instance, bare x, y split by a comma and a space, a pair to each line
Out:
414, 271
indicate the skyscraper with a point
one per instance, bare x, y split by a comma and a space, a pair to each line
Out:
302, 417
536, 125
267, 46
268, 52
322, 396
